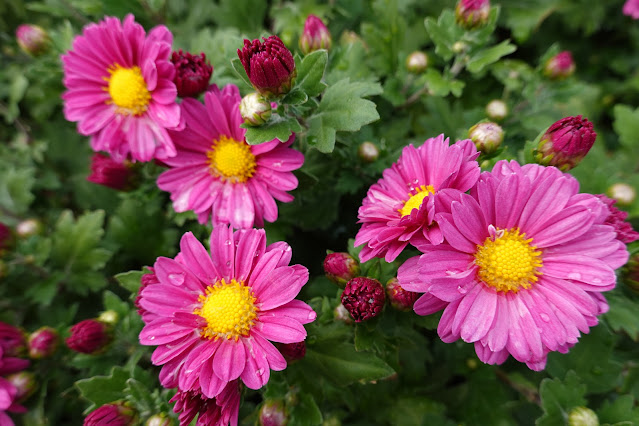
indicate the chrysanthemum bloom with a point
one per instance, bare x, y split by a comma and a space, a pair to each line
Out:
617, 219
43, 342
32, 39
566, 143
363, 298
192, 73
215, 315
400, 208
89, 336
315, 35
112, 174
472, 13
111, 414
631, 8
219, 411
560, 66
12, 340
269, 65
524, 264
121, 91
217, 174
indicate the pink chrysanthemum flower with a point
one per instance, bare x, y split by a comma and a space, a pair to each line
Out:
216, 315
8, 392
217, 174
400, 208
617, 219
631, 8
524, 264
120, 89
219, 411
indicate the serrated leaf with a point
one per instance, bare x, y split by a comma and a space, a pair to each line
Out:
444, 33
140, 396
440, 86
306, 412
240, 71
295, 97
626, 125
311, 71
619, 412
113, 303
622, 315
277, 128
559, 397
15, 188
130, 280
100, 390
485, 57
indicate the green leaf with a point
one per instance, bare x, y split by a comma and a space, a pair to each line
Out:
621, 411
277, 128
559, 397
440, 86
342, 109
306, 412
100, 390
240, 71
140, 396
310, 73
15, 188
344, 365
626, 125
130, 280
113, 303
295, 97
485, 57
444, 32
622, 315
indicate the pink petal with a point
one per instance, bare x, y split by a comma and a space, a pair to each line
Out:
229, 360
282, 329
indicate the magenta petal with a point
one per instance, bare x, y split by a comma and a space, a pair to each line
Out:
275, 359
579, 268
480, 317
229, 360
282, 329
257, 371
210, 384
295, 309
198, 259
250, 246
428, 304
567, 225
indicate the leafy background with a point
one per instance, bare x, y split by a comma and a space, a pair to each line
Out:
394, 369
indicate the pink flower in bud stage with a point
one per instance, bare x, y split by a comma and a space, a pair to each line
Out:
363, 298
112, 415
523, 267
566, 143
269, 65
89, 336
472, 13
214, 316
340, 267
219, 411
8, 392
43, 342
112, 174
631, 8
315, 36
400, 299
273, 413
33, 39
25, 384
192, 73
560, 66
12, 340
617, 219
292, 351
120, 89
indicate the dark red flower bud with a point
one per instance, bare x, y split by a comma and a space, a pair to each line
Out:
192, 73
363, 298
560, 66
617, 219
273, 413
43, 342
340, 268
315, 36
33, 39
25, 384
107, 172
89, 337
566, 143
6, 237
269, 65
472, 13
292, 351
112, 415
12, 340
400, 299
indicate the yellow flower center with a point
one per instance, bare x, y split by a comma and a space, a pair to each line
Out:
508, 262
128, 90
230, 159
416, 199
229, 310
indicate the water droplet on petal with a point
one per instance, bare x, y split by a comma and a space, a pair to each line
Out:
596, 281
260, 371
176, 279
152, 338
574, 276
462, 290
228, 263
228, 242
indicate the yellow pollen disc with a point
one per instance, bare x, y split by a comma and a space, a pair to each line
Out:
508, 262
231, 160
128, 90
229, 310
416, 199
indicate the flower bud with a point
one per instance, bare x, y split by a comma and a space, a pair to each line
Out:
487, 136
363, 298
25, 384
43, 342
315, 36
623, 193
89, 337
192, 73
107, 172
497, 110
617, 219
12, 340
400, 299
159, 420
368, 152
341, 314
255, 110
560, 66
582, 416
566, 143
109, 317
472, 14
340, 268
269, 66
417, 62
292, 351
32, 39
28, 228
273, 413
116, 414
6, 237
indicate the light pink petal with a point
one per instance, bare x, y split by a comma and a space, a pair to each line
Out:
480, 317
281, 286
295, 309
171, 272
567, 225
579, 268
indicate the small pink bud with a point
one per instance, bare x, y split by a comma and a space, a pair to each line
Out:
363, 298
115, 414
255, 109
12, 340
273, 413
28, 228
623, 193
487, 136
107, 172
192, 73
269, 65
497, 110
25, 384
43, 342
292, 351
315, 36
400, 299
340, 268
417, 62
471, 14
566, 143
368, 152
33, 39
560, 66
89, 337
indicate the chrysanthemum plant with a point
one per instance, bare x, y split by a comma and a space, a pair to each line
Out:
492, 278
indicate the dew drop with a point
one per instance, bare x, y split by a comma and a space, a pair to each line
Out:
152, 338
257, 253
176, 279
228, 242
596, 281
260, 371
277, 164
544, 317
574, 276
228, 263
462, 290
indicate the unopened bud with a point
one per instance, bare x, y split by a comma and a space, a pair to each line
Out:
315, 36
363, 298
340, 268
28, 227
623, 193
43, 342
6, 237
459, 47
582, 416
292, 351
487, 136
89, 337
472, 14
560, 66
192, 73
273, 413
566, 143
617, 219
269, 65
107, 172
341, 314
497, 110
12, 340
25, 384
119, 414
159, 420
255, 110
400, 299
417, 62
368, 152
32, 39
